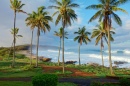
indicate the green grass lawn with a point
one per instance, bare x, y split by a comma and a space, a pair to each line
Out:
14, 83
22, 69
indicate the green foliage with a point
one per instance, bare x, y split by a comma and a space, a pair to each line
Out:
96, 84
20, 83
20, 56
124, 82
66, 84
28, 67
7, 52
61, 72
45, 80
17, 83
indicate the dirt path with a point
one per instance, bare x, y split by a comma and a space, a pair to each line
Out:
75, 72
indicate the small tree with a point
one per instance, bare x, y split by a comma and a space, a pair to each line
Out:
82, 38
59, 34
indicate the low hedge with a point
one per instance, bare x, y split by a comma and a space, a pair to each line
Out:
45, 80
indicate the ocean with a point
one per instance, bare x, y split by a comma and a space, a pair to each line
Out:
86, 55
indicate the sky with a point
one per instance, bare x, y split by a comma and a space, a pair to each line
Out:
121, 38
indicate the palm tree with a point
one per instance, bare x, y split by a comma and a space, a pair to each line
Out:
106, 11
16, 36
42, 23
30, 21
59, 34
65, 14
82, 38
16, 6
100, 33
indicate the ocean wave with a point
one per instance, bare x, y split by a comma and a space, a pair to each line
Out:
53, 51
119, 51
127, 51
56, 51
114, 58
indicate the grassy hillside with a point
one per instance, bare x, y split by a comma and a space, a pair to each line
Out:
7, 52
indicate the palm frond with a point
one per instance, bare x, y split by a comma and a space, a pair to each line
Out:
120, 2
58, 19
99, 6
97, 14
73, 5
117, 19
114, 8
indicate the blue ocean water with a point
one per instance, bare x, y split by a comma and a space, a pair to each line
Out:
86, 55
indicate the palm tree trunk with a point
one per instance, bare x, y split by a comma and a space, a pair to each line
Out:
102, 57
31, 49
109, 50
10, 50
13, 63
79, 53
63, 51
59, 52
37, 47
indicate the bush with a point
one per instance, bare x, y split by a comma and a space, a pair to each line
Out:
96, 84
20, 56
45, 80
124, 82
28, 67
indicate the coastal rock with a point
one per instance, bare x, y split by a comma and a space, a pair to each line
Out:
93, 64
120, 62
70, 62
44, 59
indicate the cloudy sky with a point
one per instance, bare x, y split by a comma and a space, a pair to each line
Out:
122, 36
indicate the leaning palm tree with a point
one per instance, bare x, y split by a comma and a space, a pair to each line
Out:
82, 38
16, 6
100, 33
59, 34
30, 21
65, 15
42, 23
106, 11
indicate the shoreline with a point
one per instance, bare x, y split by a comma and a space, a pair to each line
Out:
26, 53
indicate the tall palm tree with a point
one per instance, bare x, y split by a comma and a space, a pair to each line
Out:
59, 34
16, 6
106, 11
100, 33
42, 23
30, 21
82, 38
65, 15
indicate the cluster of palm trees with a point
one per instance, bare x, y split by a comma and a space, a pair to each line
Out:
66, 14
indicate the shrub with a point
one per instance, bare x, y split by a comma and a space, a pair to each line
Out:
124, 82
96, 84
45, 80
20, 56
28, 67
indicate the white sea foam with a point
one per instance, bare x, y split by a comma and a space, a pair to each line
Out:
52, 51
113, 51
127, 51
